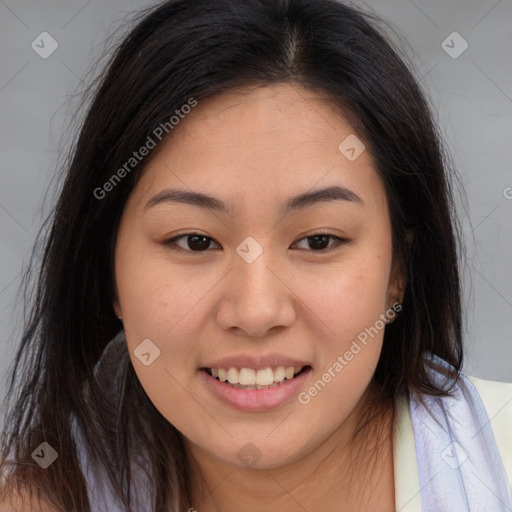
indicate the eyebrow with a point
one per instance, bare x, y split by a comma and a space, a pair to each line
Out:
294, 204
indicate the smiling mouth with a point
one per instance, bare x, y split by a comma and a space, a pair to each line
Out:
251, 379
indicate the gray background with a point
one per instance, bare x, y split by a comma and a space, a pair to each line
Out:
471, 94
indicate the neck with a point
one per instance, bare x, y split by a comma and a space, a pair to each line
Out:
351, 468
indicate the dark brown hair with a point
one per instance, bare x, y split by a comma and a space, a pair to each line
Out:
199, 48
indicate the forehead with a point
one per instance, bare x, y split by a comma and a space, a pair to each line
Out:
263, 117
261, 140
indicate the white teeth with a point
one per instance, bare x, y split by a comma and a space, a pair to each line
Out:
247, 376
258, 379
279, 374
264, 377
233, 376
290, 372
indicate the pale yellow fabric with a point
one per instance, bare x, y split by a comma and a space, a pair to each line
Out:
497, 399
407, 484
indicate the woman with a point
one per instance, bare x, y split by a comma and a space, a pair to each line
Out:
250, 291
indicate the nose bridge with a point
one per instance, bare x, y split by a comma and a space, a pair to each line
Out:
258, 297
253, 274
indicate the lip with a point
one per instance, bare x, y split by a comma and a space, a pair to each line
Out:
255, 399
257, 363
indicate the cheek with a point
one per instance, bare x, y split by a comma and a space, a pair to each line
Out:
160, 303
352, 296
156, 295
349, 331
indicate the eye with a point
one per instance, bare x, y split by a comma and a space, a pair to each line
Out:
318, 241
196, 242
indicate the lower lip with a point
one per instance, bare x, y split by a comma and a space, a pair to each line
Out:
255, 399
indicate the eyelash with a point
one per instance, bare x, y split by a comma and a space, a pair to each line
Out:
171, 243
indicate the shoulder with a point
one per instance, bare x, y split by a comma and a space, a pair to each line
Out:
497, 401
494, 392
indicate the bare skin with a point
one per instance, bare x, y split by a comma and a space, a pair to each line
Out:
332, 478
255, 148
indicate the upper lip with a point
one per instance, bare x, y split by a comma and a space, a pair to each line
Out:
256, 362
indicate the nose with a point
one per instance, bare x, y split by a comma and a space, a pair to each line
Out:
257, 297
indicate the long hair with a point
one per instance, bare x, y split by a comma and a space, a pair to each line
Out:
184, 49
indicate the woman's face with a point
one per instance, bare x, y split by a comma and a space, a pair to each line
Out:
255, 292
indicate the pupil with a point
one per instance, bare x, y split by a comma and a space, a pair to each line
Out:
325, 239
199, 246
